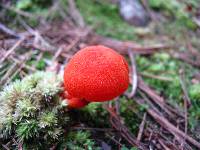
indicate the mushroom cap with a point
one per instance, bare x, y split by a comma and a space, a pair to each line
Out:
96, 74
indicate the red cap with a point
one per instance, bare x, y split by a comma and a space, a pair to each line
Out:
96, 73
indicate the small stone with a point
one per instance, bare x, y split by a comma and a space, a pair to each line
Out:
133, 12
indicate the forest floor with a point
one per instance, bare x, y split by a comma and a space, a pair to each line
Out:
161, 109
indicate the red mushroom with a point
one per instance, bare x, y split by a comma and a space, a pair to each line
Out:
95, 74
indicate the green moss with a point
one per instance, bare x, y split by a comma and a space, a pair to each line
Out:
79, 140
33, 5
131, 118
93, 111
194, 92
27, 130
31, 109
174, 8
106, 19
161, 64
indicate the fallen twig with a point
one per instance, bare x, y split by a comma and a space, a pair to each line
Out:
8, 73
123, 46
11, 49
163, 144
187, 57
187, 101
170, 127
116, 123
9, 31
184, 88
148, 75
113, 139
75, 14
134, 74
141, 127
158, 100
21, 64
20, 12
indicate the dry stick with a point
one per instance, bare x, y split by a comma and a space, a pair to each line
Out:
55, 65
171, 128
145, 88
66, 49
6, 44
12, 49
116, 123
157, 99
141, 128
134, 74
186, 114
21, 65
75, 14
152, 16
170, 142
6, 147
24, 65
189, 46
39, 42
163, 144
57, 54
142, 118
139, 101
184, 87
3, 68
148, 75
180, 140
186, 58
68, 56
8, 73
155, 111
9, 31
122, 46
62, 12
146, 100
113, 139
125, 133
55, 7
186, 99
20, 12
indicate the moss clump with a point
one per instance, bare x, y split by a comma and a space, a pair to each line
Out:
31, 111
83, 141
194, 91
162, 65
34, 115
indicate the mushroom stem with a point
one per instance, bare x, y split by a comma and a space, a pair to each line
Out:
73, 102
76, 103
